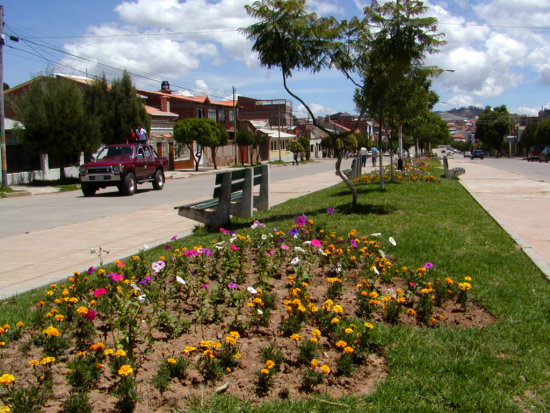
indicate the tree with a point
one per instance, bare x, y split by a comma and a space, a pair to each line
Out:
260, 139
205, 132
529, 138
245, 138
306, 145
492, 126
543, 133
433, 131
125, 111
295, 147
397, 44
96, 100
218, 137
55, 120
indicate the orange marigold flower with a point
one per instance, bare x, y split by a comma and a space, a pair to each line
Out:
348, 350
7, 379
295, 337
171, 360
51, 331
264, 371
269, 364
325, 369
125, 370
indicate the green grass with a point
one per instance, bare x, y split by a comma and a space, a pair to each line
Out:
502, 367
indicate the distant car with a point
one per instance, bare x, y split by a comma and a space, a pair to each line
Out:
544, 154
477, 153
534, 152
467, 154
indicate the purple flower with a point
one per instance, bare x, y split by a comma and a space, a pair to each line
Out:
301, 221
204, 286
331, 211
146, 280
175, 237
91, 269
293, 232
232, 285
353, 243
115, 277
428, 265
167, 247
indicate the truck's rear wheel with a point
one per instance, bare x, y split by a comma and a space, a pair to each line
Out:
158, 181
128, 187
88, 189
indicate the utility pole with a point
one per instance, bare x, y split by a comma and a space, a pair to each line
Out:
2, 131
235, 126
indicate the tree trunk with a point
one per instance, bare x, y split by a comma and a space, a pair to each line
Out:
380, 155
213, 150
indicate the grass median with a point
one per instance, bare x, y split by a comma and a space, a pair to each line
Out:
498, 367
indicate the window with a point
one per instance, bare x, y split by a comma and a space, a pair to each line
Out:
221, 115
148, 153
212, 114
231, 116
200, 113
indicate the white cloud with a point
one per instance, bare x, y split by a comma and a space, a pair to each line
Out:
523, 110
316, 108
325, 8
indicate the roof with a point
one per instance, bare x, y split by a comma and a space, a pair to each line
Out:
157, 112
225, 103
275, 134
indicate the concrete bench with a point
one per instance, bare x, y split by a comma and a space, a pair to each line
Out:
233, 195
355, 170
451, 173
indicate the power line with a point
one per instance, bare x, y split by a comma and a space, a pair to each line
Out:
93, 36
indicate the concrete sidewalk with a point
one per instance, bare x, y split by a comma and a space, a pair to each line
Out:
519, 204
42, 257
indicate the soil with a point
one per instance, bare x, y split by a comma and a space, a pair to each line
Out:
241, 382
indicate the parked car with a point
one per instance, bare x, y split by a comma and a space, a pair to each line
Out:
534, 152
123, 166
544, 154
477, 153
467, 154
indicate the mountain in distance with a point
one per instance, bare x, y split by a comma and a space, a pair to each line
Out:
466, 112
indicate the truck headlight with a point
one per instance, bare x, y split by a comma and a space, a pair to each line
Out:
117, 169
82, 170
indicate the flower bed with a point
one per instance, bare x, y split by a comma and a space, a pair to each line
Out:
271, 313
416, 171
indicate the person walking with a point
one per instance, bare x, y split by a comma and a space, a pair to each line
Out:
374, 155
363, 152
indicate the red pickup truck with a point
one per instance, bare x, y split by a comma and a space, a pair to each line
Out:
123, 166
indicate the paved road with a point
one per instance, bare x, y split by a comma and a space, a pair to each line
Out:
534, 170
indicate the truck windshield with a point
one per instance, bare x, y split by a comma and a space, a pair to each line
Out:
111, 151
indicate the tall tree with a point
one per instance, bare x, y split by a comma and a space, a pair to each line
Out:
400, 37
125, 110
542, 134
492, 126
205, 132
96, 100
55, 120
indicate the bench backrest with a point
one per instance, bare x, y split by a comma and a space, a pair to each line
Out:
237, 180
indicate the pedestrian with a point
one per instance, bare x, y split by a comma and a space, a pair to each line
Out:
374, 155
363, 152
141, 135
295, 158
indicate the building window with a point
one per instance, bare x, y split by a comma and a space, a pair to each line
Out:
200, 113
212, 114
231, 116
221, 115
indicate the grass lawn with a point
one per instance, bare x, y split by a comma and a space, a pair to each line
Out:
502, 367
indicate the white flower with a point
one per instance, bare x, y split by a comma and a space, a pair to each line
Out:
376, 234
233, 238
375, 270
382, 253
252, 290
135, 287
295, 261
257, 224
259, 311
158, 266
220, 245
322, 252
143, 299
180, 280
264, 236
145, 247
393, 241
338, 268
307, 242
299, 249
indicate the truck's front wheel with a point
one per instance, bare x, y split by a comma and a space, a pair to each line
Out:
128, 187
158, 181
88, 189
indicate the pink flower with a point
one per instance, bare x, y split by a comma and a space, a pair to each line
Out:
175, 237
90, 315
204, 286
99, 292
285, 247
428, 265
316, 243
120, 264
234, 247
115, 277
412, 284
270, 253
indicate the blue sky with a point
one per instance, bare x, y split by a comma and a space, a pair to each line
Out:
499, 49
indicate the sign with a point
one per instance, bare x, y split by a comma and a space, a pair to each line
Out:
511, 139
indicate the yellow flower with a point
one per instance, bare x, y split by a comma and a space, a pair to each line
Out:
264, 371
235, 335
316, 333
464, 286
337, 309
348, 350
189, 349
108, 352
208, 353
467, 278
269, 364
314, 363
20, 324
120, 353
230, 340
51, 331
411, 312
47, 360
296, 337
33, 363
314, 339
341, 344
7, 379
5, 409
335, 320
125, 370
325, 369
82, 310
59, 317
401, 300
348, 330
171, 360
97, 346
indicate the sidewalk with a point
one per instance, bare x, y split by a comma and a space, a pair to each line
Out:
42, 257
519, 204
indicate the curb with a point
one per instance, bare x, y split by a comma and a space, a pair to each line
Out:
16, 194
524, 245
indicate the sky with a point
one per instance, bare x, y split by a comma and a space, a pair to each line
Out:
497, 52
